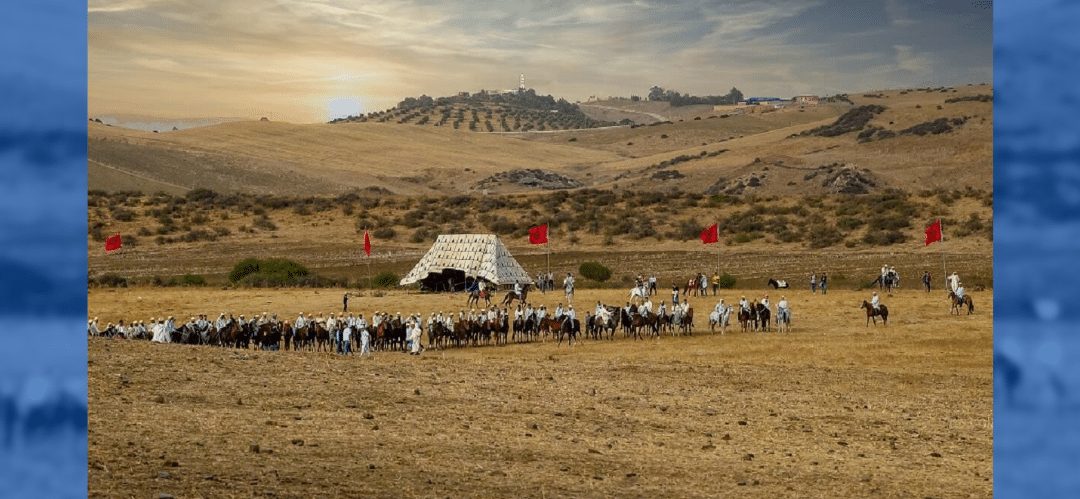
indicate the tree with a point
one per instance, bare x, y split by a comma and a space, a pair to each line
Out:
734, 96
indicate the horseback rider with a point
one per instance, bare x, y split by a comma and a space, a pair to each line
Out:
570, 315
743, 304
959, 292
782, 309
954, 282
674, 294
517, 289
875, 301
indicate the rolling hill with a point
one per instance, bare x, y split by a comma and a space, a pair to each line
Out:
713, 151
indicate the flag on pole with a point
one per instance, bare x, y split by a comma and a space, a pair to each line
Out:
367, 244
113, 243
710, 235
538, 234
933, 232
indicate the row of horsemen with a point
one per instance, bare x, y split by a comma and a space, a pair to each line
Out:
472, 328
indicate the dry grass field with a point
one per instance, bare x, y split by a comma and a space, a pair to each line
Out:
832, 409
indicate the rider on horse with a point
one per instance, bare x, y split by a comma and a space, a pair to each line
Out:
782, 310
875, 302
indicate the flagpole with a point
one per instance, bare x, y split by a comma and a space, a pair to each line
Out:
718, 248
944, 273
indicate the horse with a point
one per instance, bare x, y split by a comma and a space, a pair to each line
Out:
883, 311
719, 318
783, 320
890, 281
569, 328
778, 284
744, 319
511, 296
957, 303
637, 292
763, 314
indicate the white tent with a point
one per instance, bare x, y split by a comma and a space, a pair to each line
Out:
476, 255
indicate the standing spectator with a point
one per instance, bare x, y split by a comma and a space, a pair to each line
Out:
652, 285
674, 294
813, 283
824, 283
954, 282
346, 337
417, 332
926, 280
715, 283
704, 283
345, 302
365, 338
568, 285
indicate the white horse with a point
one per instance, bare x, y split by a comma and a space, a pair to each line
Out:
721, 318
640, 293
783, 320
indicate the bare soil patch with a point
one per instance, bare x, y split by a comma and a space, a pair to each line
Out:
833, 409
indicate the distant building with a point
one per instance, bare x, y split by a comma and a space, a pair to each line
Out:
806, 100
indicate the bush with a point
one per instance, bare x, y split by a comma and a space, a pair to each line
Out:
112, 281
243, 269
192, 280
386, 279
594, 271
727, 281
384, 233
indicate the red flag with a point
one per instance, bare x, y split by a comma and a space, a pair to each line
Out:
113, 243
367, 244
709, 235
538, 234
933, 232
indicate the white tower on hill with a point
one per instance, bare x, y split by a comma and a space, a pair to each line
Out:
521, 86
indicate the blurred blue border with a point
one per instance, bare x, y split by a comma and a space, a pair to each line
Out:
43, 224
1037, 207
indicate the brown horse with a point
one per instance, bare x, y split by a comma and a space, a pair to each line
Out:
744, 319
883, 311
511, 296
957, 303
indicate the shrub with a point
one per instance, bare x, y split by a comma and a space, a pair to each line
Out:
384, 233
112, 281
823, 236
386, 279
243, 269
727, 281
594, 271
264, 223
192, 280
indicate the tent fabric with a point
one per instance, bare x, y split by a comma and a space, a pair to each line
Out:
479, 255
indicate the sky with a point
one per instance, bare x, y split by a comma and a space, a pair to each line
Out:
308, 61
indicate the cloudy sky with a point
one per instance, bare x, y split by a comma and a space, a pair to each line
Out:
308, 61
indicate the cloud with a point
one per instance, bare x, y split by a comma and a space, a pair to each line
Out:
294, 53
